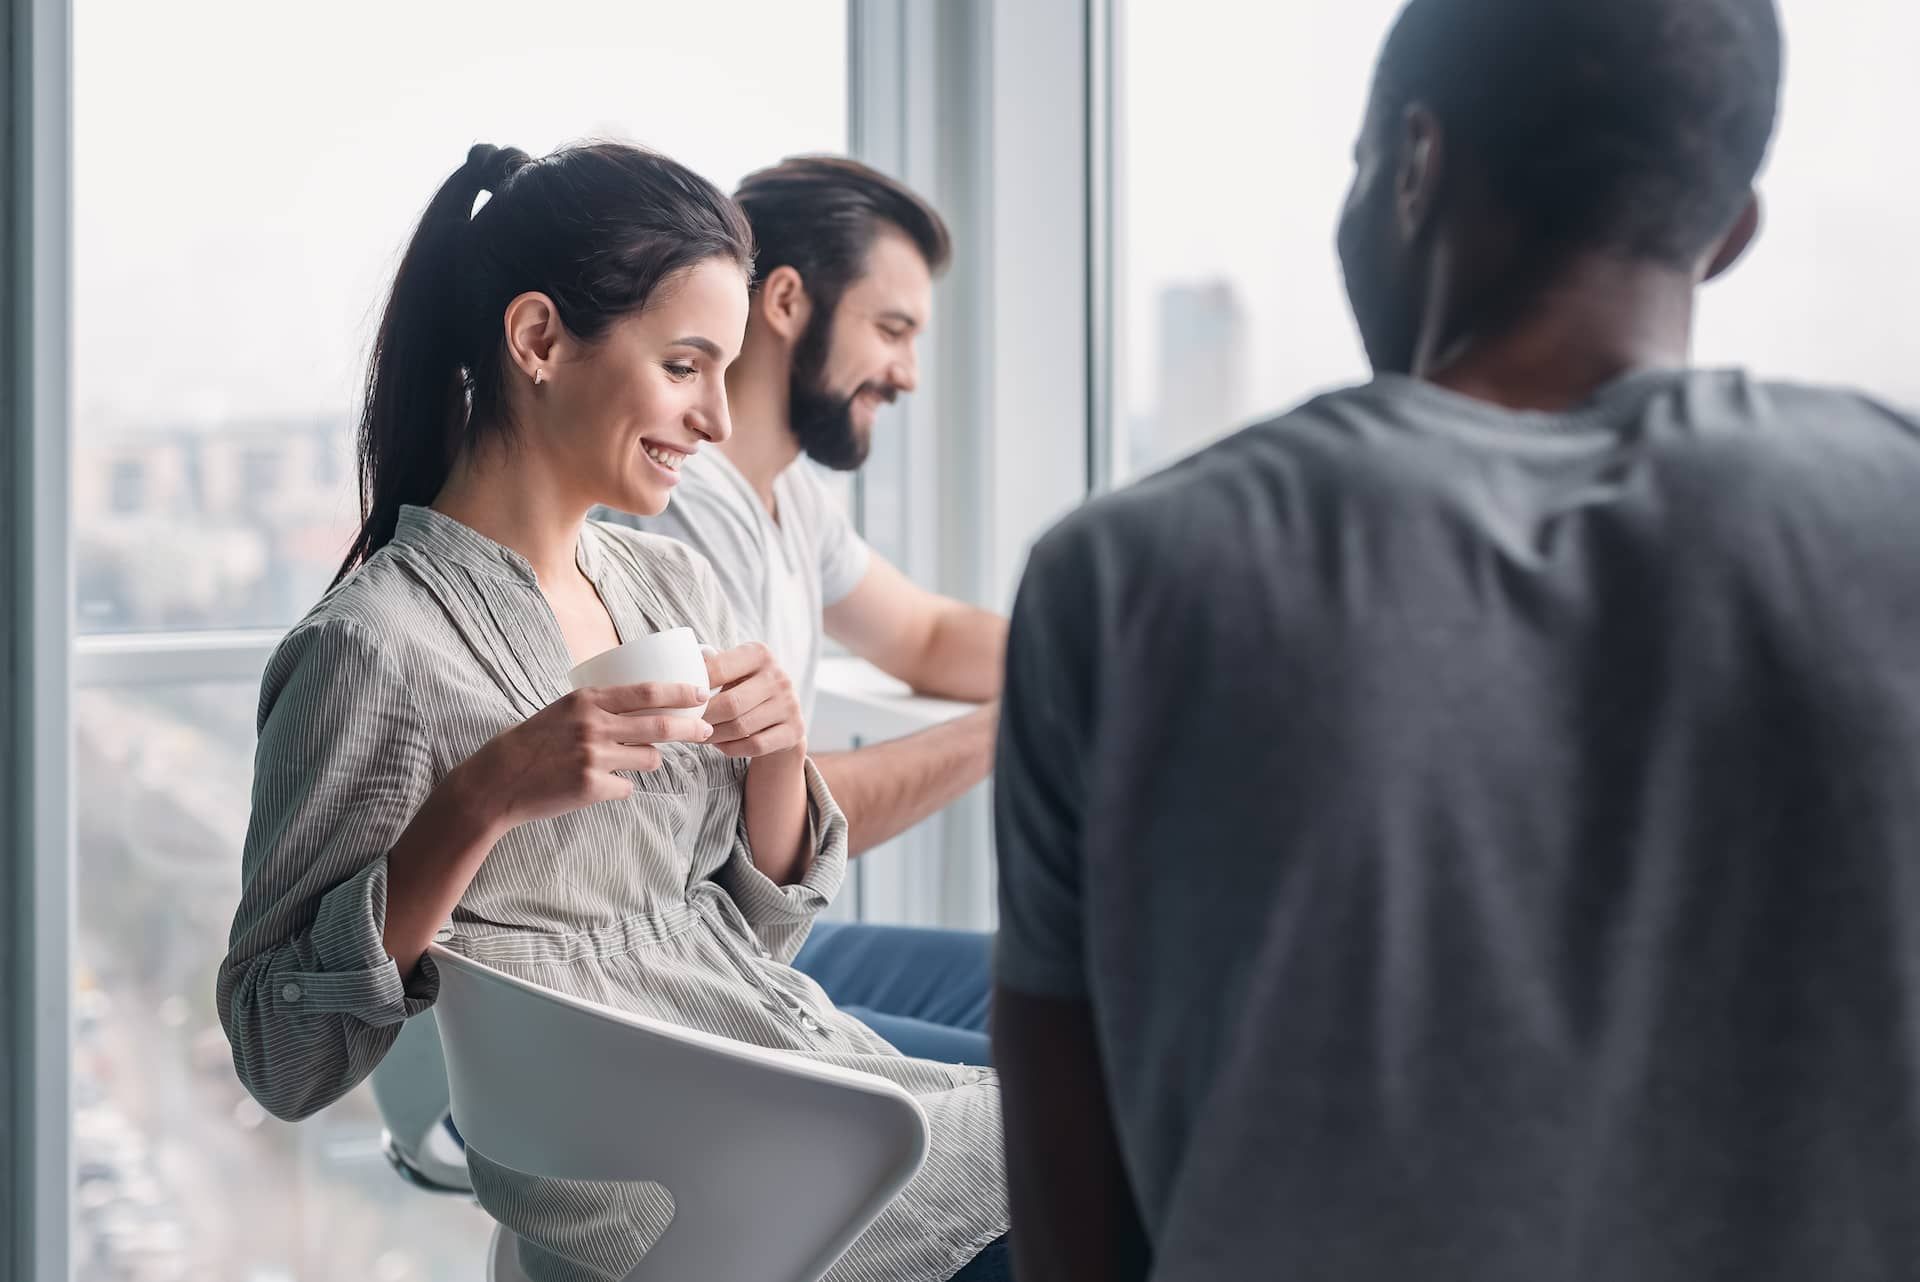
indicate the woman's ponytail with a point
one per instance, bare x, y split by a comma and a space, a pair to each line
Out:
414, 418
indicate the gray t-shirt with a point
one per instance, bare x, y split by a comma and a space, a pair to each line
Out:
1489, 843
780, 575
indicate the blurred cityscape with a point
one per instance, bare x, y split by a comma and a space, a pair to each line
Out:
180, 1176
187, 526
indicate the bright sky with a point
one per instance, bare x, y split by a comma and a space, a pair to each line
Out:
1239, 124
245, 173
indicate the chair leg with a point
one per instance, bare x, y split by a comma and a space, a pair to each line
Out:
503, 1257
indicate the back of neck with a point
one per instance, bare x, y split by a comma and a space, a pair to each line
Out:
1597, 319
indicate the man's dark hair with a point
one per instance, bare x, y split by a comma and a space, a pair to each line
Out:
820, 214
1628, 125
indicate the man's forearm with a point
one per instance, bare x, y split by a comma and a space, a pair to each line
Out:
965, 657
888, 788
1075, 1218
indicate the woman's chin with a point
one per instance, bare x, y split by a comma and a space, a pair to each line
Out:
642, 500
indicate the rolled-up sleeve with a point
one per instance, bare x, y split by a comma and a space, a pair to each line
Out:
307, 994
782, 915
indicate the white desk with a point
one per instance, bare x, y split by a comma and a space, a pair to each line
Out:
938, 874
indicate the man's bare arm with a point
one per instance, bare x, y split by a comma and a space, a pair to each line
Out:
889, 787
1074, 1214
937, 645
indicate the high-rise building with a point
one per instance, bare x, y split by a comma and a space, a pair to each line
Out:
1202, 366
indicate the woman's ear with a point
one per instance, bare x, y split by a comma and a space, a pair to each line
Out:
534, 336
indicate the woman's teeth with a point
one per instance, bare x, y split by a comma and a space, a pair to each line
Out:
669, 459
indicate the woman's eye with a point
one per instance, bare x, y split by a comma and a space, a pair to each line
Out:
679, 371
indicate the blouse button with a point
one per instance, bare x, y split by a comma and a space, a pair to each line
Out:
290, 993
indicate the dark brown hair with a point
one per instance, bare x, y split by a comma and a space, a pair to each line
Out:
597, 228
819, 215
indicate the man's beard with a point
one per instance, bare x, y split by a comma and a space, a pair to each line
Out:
822, 421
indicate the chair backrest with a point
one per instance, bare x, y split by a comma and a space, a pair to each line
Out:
775, 1163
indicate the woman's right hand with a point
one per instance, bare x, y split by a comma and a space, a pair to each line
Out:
567, 755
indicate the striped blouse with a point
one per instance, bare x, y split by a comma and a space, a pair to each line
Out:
652, 904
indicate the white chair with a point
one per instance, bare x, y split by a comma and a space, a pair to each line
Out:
775, 1163
410, 1088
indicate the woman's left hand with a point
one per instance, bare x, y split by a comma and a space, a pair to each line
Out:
757, 711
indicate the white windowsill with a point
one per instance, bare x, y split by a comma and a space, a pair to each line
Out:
172, 658
857, 703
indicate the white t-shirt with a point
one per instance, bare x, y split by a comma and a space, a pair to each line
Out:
780, 575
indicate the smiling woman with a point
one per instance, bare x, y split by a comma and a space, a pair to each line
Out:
425, 770
213, 488
452, 390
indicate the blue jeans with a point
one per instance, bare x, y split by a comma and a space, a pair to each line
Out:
923, 990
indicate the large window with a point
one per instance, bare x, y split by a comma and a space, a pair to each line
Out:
245, 176
1235, 129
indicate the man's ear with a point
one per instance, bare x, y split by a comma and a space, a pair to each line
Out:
782, 303
1734, 245
1421, 170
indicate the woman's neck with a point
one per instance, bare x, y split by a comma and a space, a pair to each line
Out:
517, 500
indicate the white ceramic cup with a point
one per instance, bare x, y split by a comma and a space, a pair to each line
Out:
674, 656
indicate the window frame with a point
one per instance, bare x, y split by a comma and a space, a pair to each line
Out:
991, 110
36, 807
